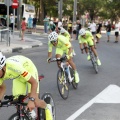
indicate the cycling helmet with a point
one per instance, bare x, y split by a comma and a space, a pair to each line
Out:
2, 60
82, 32
53, 36
51, 22
62, 30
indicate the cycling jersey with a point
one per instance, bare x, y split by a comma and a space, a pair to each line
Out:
66, 34
19, 69
63, 45
88, 38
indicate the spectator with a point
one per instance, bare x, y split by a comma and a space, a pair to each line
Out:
74, 26
30, 23
93, 28
60, 23
78, 28
52, 26
117, 28
108, 30
98, 35
23, 27
65, 24
34, 23
46, 23
12, 19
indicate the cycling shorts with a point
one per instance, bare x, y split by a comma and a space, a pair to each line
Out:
61, 51
20, 86
89, 42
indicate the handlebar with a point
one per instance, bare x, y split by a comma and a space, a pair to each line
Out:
59, 59
9, 100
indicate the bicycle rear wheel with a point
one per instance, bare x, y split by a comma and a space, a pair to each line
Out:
47, 97
62, 83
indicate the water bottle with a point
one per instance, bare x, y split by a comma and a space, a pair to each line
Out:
33, 114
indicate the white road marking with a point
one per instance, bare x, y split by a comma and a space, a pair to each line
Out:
111, 94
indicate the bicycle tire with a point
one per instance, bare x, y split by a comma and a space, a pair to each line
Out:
94, 63
63, 87
16, 117
74, 84
47, 97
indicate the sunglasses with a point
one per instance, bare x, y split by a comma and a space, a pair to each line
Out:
53, 42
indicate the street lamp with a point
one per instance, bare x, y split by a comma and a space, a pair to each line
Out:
74, 10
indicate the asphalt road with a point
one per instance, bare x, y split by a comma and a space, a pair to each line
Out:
97, 96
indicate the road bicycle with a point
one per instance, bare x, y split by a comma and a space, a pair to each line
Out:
93, 59
65, 77
20, 104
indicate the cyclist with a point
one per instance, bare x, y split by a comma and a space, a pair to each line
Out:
62, 46
67, 35
22, 71
52, 26
86, 38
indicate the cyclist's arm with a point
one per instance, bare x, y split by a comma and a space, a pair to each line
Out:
49, 54
34, 86
2, 90
49, 50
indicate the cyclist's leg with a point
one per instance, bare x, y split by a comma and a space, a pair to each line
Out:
58, 53
72, 64
85, 44
91, 44
38, 102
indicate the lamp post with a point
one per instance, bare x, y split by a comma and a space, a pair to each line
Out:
74, 10
60, 7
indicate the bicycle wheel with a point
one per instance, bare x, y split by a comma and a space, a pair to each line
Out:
94, 62
74, 84
15, 116
47, 97
62, 83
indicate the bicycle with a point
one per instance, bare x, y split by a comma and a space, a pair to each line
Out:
20, 104
93, 59
65, 77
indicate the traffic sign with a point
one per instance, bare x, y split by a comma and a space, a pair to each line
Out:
8, 2
15, 4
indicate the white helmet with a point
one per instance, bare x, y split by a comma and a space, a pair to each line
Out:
62, 30
2, 60
51, 22
82, 32
53, 36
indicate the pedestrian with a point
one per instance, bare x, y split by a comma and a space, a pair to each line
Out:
117, 28
78, 28
93, 29
98, 34
108, 30
74, 26
46, 24
12, 19
52, 26
30, 23
23, 27
34, 23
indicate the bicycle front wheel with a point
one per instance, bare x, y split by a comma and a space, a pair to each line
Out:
15, 116
62, 83
47, 97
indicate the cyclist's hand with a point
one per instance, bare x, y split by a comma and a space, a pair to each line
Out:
68, 57
30, 106
48, 60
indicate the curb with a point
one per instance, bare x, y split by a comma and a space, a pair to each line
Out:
17, 49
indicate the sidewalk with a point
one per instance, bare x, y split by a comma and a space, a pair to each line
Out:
16, 43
